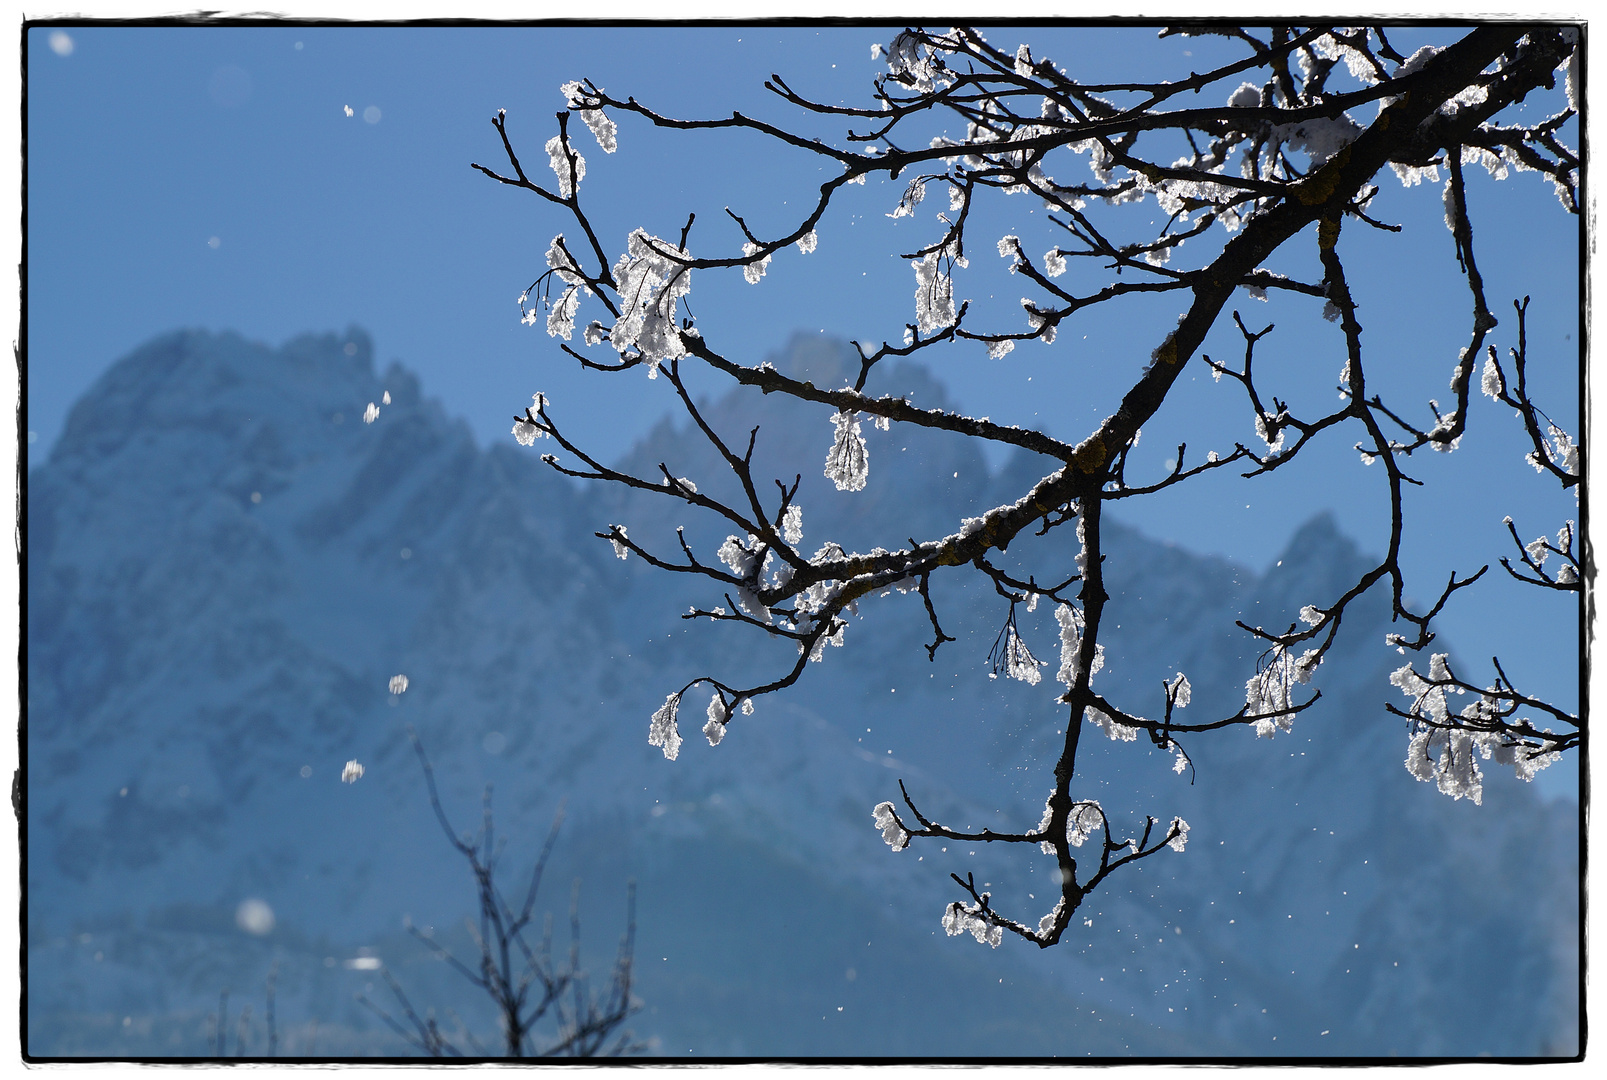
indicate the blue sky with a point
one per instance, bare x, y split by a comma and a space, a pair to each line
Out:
211, 177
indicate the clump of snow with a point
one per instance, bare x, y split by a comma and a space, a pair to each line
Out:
663, 731
1180, 834
892, 832
351, 773
959, 919
398, 684
560, 166
848, 461
714, 730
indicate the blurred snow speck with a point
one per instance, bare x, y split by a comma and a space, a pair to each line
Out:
61, 43
351, 773
306, 771
254, 916
363, 963
348, 109
371, 114
386, 399
213, 242
398, 684
494, 742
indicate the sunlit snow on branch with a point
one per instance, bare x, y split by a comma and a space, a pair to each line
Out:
1180, 834
848, 461
714, 730
963, 918
753, 270
650, 285
792, 524
934, 289
892, 832
558, 158
663, 731
1271, 689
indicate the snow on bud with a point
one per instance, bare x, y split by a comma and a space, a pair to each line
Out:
747, 706
1180, 691
526, 432
892, 832
1019, 663
807, 242
561, 316
352, 773
1264, 424
753, 271
559, 161
371, 413
595, 331
848, 461
650, 284
1270, 690
1181, 837
1562, 450
1181, 763
1536, 550
792, 524
1023, 64
1054, 262
620, 549
1311, 616
714, 730
934, 291
959, 920
662, 730
911, 199
1007, 250
997, 350
1084, 819
738, 556
1567, 575
398, 684
1039, 324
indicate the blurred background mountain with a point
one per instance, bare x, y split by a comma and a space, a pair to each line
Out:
225, 566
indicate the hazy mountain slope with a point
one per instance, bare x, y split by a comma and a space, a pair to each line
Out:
202, 662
